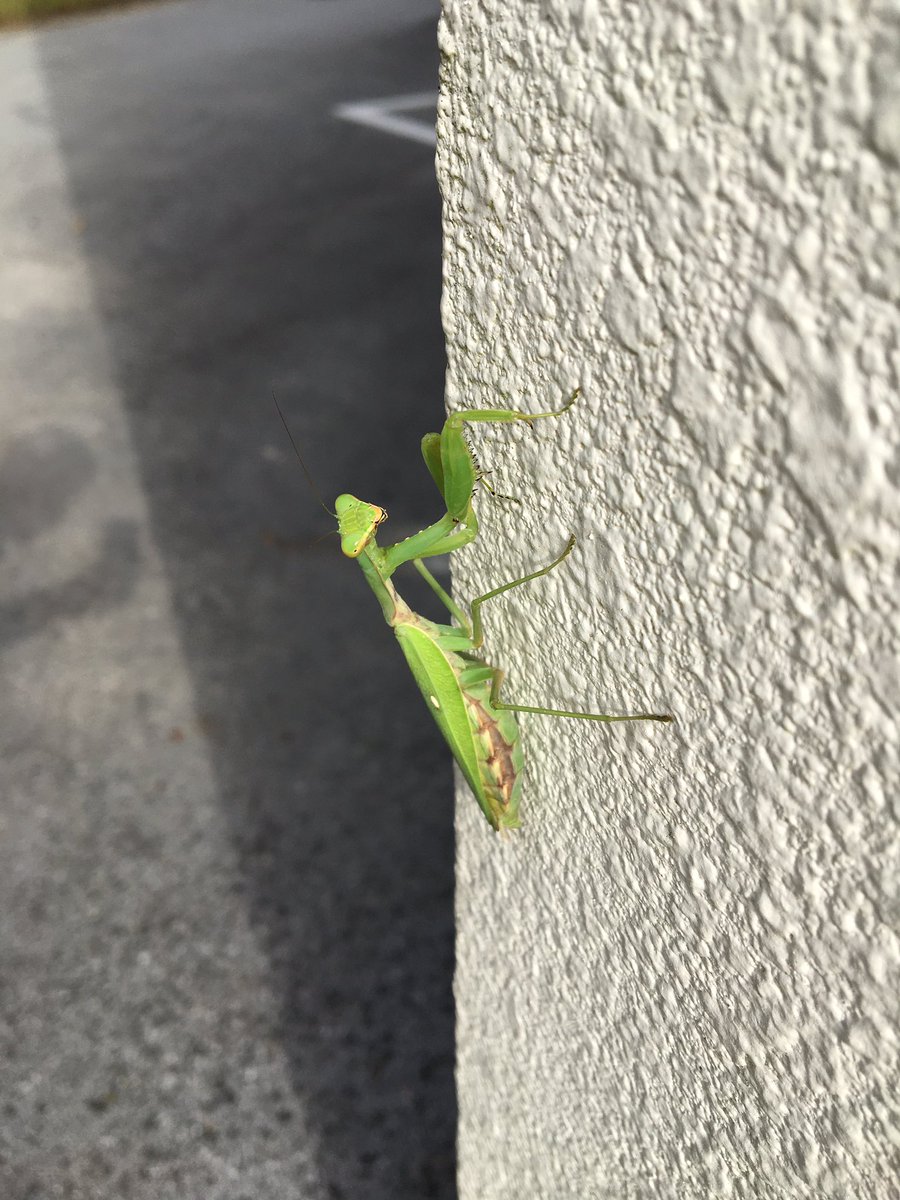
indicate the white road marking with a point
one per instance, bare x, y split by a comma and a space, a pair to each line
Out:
383, 115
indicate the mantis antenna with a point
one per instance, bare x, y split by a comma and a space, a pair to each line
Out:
306, 471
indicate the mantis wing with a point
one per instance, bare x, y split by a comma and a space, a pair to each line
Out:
439, 684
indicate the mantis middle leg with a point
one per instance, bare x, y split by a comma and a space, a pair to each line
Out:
478, 638
477, 631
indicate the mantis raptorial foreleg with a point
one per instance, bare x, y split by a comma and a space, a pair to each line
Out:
452, 467
449, 457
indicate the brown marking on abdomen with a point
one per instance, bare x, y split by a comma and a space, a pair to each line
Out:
498, 764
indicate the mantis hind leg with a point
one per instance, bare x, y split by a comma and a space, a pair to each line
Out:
561, 712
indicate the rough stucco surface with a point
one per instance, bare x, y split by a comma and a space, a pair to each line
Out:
680, 978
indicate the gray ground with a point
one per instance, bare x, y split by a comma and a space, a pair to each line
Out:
225, 819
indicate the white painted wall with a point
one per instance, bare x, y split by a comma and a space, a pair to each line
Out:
680, 978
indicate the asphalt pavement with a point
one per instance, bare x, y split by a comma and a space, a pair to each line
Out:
226, 842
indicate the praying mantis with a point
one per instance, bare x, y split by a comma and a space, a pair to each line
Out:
461, 691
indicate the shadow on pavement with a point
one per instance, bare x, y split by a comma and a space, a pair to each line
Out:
243, 241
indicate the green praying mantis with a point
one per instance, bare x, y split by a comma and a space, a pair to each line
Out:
461, 691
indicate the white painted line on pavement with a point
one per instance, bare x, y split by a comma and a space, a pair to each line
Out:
382, 114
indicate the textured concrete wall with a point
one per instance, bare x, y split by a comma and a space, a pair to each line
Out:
680, 978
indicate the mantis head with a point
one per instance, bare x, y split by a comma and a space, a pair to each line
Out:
357, 522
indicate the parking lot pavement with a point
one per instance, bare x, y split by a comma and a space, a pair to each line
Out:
226, 850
